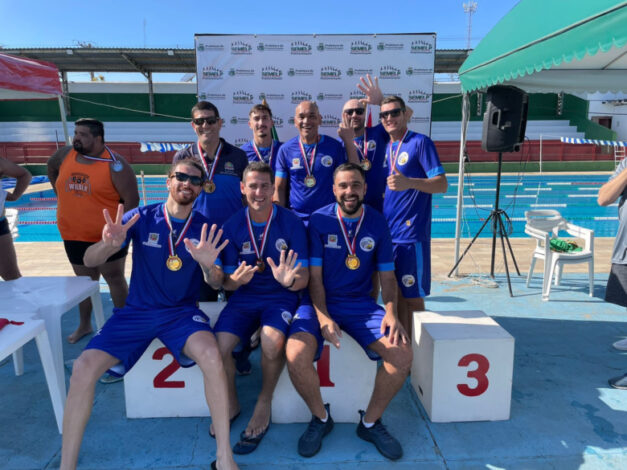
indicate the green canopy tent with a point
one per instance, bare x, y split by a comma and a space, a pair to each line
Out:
548, 46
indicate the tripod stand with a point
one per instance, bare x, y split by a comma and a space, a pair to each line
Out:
496, 216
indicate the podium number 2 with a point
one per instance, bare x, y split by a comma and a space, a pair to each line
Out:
161, 379
479, 374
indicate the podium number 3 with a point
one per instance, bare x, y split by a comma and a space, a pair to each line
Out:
479, 374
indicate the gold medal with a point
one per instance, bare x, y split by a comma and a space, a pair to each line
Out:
174, 263
209, 186
310, 181
365, 164
260, 265
352, 262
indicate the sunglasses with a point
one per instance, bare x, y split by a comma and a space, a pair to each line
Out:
183, 177
209, 120
392, 113
357, 111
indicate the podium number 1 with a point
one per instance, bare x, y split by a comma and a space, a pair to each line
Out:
479, 374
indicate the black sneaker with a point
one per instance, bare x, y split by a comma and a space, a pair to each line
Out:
310, 442
386, 444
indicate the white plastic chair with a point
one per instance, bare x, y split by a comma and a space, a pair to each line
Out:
543, 225
12, 217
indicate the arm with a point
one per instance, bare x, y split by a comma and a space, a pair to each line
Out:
113, 236
611, 190
399, 182
280, 190
22, 175
54, 164
347, 134
390, 320
125, 184
329, 329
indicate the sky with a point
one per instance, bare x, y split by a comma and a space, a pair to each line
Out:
165, 24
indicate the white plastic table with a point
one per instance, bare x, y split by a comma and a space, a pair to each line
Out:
49, 297
13, 337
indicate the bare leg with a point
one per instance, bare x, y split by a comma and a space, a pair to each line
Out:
8, 259
406, 308
202, 347
226, 344
300, 352
113, 272
89, 366
84, 308
390, 376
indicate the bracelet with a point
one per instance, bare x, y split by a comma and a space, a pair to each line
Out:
292, 284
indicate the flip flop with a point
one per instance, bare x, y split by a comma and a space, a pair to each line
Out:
231, 421
248, 444
214, 465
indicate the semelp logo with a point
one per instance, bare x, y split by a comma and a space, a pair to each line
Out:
420, 47
330, 73
361, 47
300, 48
416, 71
269, 47
241, 48
240, 141
212, 73
389, 72
271, 73
242, 97
360, 72
418, 96
329, 120
298, 96
278, 122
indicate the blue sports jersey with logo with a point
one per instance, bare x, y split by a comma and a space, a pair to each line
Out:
153, 286
329, 155
328, 248
249, 150
286, 231
409, 212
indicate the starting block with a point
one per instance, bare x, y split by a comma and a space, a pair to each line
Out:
158, 387
346, 383
463, 366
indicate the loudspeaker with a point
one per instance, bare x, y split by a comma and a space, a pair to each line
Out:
505, 119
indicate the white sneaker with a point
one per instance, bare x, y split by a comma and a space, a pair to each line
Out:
619, 382
621, 345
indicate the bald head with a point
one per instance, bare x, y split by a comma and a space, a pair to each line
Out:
353, 114
307, 120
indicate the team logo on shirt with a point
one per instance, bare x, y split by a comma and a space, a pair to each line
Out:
366, 244
331, 241
403, 158
286, 316
153, 240
296, 163
200, 319
408, 280
246, 249
280, 244
228, 167
372, 145
327, 161
194, 241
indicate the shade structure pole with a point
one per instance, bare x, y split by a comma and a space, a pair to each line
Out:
64, 120
460, 177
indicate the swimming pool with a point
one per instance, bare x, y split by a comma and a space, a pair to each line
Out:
574, 195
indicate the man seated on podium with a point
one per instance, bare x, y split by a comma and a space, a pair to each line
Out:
170, 247
348, 242
265, 264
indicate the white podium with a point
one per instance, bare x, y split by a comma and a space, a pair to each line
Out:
346, 383
463, 366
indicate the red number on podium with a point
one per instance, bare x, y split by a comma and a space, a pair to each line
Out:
161, 379
479, 374
324, 366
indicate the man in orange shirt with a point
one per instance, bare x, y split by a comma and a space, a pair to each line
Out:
87, 178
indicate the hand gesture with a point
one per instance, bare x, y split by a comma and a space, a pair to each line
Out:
286, 272
345, 132
398, 182
243, 274
331, 332
371, 89
396, 331
114, 233
207, 250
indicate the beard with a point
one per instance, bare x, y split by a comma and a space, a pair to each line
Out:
346, 210
78, 146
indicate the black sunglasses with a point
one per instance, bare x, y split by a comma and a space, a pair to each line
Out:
182, 177
391, 113
357, 111
209, 120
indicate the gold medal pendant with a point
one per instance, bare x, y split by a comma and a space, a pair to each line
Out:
310, 181
352, 262
365, 164
174, 263
209, 186
260, 265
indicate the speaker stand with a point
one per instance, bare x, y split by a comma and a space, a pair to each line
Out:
496, 216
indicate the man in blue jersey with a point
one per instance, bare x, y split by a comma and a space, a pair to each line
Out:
306, 163
415, 173
349, 242
262, 148
265, 264
170, 249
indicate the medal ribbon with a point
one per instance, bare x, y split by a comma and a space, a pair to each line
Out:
264, 238
111, 158
351, 246
308, 165
215, 161
398, 150
364, 152
259, 156
171, 243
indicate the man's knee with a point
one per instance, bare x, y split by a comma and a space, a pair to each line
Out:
272, 344
401, 358
300, 351
87, 368
204, 350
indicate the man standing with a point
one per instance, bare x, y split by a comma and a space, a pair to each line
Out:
307, 162
415, 173
266, 264
87, 178
262, 148
170, 246
616, 291
348, 243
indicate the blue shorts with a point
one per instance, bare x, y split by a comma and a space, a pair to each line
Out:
306, 321
243, 315
129, 332
412, 262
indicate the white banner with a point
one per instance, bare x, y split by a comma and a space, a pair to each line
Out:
235, 72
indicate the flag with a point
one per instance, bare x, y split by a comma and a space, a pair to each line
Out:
275, 135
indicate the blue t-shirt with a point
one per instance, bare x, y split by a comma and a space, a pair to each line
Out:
409, 212
249, 150
376, 176
153, 286
227, 197
329, 155
328, 248
286, 231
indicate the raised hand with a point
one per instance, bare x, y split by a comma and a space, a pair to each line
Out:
344, 131
114, 233
287, 270
243, 274
371, 89
207, 250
